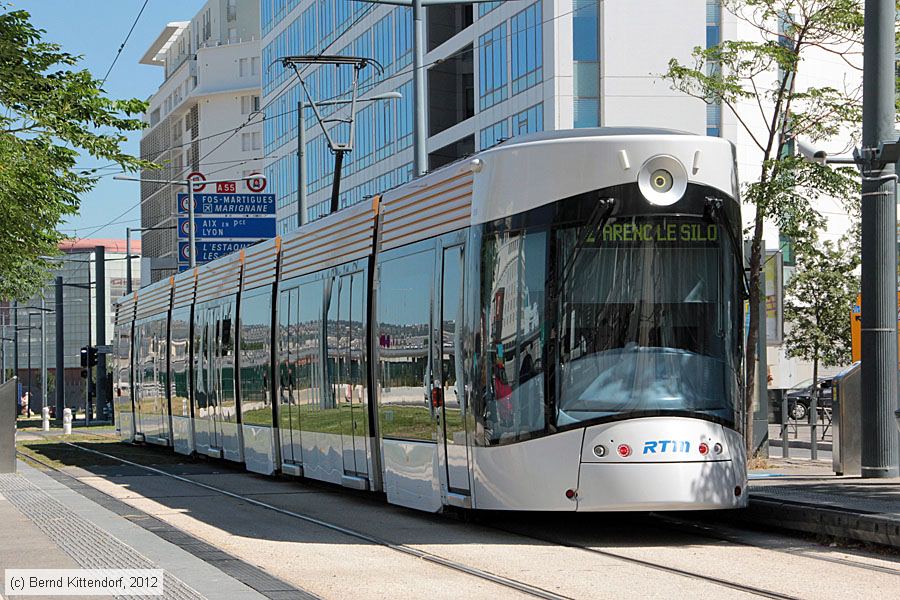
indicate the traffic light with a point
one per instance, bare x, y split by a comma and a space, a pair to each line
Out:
92, 356
84, 357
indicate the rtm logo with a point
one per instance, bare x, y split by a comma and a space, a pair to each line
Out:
661, 446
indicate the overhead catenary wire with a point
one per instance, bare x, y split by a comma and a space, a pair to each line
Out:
125, 41
285, 88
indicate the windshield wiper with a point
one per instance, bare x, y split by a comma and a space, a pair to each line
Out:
598, 218
714, 206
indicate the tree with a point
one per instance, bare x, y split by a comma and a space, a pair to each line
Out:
818, 300
755, 79
50, 112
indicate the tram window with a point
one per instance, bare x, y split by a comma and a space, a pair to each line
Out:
306, 355
639, 323
513, 302
404, 324
226, 366
255, 348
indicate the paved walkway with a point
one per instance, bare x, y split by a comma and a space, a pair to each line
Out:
48, 525
807, 496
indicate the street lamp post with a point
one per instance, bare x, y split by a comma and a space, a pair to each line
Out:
128, 231
301, 145
190, 187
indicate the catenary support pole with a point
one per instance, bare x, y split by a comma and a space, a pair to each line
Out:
30, 379
60, 351
879, 247
43, 354
128, 283
102, 399
301, 166
420, 163
2, 348
88, 384
15, 316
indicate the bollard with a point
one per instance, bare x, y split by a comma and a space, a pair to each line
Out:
45, 417
67, 421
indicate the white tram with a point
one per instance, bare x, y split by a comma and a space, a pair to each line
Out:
551, 324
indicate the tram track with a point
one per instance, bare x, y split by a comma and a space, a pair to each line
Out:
435, 559
748, 589
534, 591
703, 530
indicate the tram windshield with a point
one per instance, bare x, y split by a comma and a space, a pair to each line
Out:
646, 318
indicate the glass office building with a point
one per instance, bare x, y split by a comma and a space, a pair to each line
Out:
494, 70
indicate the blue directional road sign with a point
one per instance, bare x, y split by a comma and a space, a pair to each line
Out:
229, 204
215, 227
211, 250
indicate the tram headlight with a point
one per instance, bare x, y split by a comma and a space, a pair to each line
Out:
663, 180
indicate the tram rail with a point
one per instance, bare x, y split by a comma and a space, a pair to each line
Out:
470, 570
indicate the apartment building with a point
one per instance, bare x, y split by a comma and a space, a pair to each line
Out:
211, 87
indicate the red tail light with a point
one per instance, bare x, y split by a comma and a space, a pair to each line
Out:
624, 450
704, 449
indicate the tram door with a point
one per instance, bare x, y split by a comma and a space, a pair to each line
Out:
448, 393
289, 377
349, 370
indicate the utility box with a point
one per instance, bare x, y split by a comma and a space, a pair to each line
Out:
9, 408
846, 421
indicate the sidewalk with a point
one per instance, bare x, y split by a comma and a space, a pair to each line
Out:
49, 525
802, 495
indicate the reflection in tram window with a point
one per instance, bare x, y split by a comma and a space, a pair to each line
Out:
513, 296
178, 361
346, 391
151, 375
404, 318
256, 337
226, 355
642, 321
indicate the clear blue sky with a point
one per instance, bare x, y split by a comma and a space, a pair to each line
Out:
95, 29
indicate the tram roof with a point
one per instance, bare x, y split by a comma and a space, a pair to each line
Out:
558, 134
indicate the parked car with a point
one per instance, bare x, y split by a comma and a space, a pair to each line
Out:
799, 398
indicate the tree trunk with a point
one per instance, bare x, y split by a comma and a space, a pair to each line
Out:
753, 332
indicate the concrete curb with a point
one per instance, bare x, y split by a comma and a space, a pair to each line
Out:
822, 446
811, 518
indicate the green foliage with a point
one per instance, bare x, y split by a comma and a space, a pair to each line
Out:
50, 111
755, 79
818, 300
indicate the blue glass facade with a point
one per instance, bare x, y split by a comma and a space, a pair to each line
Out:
529, 120
492, 66
509, 57
586, 59
713, 37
